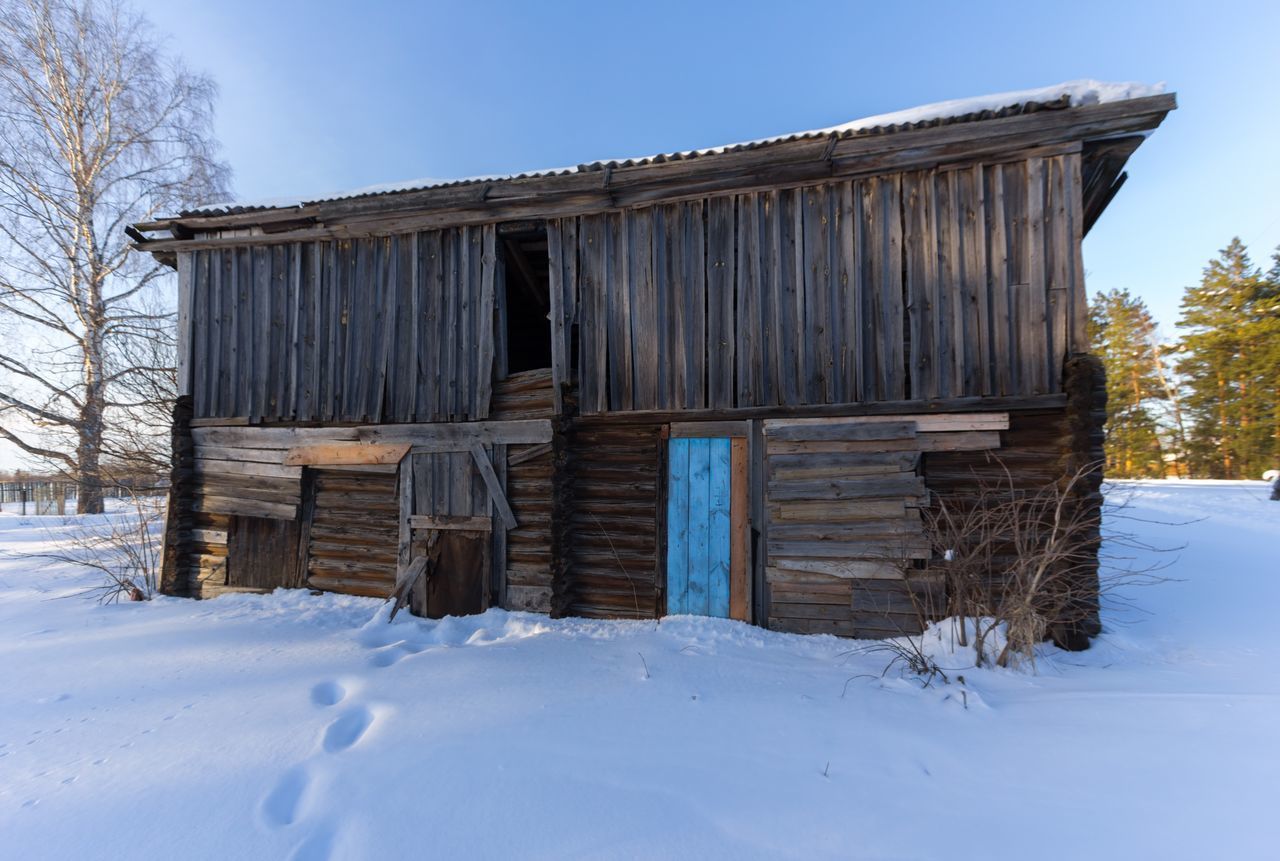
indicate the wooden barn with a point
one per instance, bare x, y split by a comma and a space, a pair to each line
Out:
721, 382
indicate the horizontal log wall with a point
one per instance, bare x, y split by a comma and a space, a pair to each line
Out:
352, 532
842, 503
612, 564
932, 284
397, 328
529, 479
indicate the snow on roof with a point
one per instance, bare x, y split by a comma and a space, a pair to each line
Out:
1069, 93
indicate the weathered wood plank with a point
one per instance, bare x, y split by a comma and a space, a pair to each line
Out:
709, 429
1079, 316
593, 362
532, 453
837, 489
973, 325
846, 295
834, 462
922, 282
669, 303
485, 325
265, 438
1000, 354
338, 454
1058, 254
748, 314
771, 334
619, 295
783, 569
843, 512
473, 523
644, 299
457, 436
924, 422
720, 279
260, 364
883, 550
817, 346
496, 492
1035, 327
244, 507
248, 468
841, 430
560, 320
184, 323
692, 274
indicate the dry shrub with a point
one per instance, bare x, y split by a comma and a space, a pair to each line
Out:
1025, 562
126, 548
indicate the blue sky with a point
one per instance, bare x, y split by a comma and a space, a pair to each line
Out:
320, 96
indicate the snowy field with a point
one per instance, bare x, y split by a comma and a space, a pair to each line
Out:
292, 726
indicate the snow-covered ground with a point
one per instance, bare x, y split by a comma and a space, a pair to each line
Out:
296, 726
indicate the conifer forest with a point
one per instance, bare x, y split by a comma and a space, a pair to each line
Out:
1204, 401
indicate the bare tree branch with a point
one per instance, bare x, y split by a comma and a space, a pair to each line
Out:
98, 129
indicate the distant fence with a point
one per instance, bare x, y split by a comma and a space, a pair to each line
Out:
57, 497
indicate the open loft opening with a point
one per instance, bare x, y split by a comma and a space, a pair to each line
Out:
526, 290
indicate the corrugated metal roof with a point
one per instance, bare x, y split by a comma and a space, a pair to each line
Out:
977, 109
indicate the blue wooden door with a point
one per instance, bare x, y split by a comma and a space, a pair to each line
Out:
699, 486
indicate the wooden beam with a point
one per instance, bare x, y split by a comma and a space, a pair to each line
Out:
274, 437
244, 468
185, 286
698, 430
529, 454
911, 409
846, 430
459, 436
404, 584
459, 523
244, 507
338, 454
424, 437
404, 511
234, 421
832, 428
959, 441
495, 487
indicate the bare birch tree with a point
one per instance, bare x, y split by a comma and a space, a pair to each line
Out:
98, 129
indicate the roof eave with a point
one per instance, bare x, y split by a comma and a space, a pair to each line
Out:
788, 162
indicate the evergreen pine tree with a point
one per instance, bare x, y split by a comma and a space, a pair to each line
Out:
1228, 360
1124, 335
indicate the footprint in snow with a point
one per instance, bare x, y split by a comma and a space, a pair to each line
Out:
284, 802
386, 658
328, 694
347, 729
317, 847
395, 654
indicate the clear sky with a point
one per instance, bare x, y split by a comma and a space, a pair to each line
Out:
320, 96
324, 95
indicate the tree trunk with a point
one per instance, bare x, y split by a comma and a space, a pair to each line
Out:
89, 432
89, 480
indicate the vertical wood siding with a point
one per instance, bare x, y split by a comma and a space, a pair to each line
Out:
928, 284
395, 328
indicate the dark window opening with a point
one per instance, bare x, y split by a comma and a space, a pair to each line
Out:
522, 248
